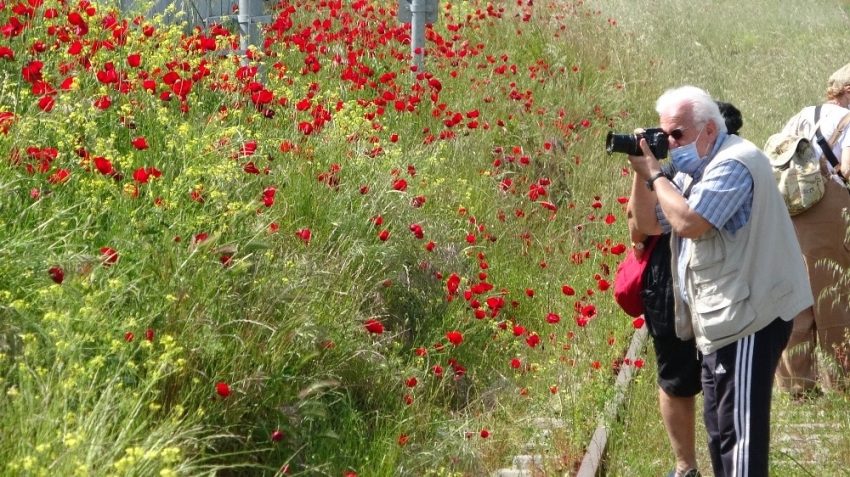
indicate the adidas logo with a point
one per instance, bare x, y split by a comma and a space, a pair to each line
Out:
720, 369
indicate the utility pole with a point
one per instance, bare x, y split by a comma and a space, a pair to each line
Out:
248, 32
417, 13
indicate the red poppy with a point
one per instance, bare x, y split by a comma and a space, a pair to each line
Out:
638, 322
384, 235
485, 433
182, 88
305, 127
251, 168
553, 318
454, 337
417, 230
6, 53
6, 120
140, 143
430, 246
56, 274
197, 195
60, 176
305, 235
141, 175
104, 166
222, 389
134, 60
374, 326
129, 336
515, 363
268, 196
103, 103
568, 290
108, 256
400, 185
149, 334
618, 249
46, 103
277, 435
411, 382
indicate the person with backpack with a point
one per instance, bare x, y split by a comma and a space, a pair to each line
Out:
822, 233
678, 361
737, 270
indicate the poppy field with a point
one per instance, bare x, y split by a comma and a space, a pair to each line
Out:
314, 259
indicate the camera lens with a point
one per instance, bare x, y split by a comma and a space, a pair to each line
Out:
622, 143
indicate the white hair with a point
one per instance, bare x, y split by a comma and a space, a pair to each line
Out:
703, 107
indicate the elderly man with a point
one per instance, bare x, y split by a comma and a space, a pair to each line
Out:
737, 267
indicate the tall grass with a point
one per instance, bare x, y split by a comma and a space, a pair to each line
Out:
320, 263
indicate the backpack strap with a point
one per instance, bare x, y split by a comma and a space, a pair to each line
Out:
841, 126
826, 146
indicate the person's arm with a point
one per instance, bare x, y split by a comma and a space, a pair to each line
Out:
844, 163
635, 235
682, 218
643, 220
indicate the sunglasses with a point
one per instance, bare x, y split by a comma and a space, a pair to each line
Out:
677, 133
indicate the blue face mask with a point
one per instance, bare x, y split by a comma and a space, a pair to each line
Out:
686, 158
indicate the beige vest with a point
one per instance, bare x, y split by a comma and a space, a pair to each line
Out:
738, 283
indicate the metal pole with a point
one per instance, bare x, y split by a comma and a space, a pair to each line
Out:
417, 34
244, 19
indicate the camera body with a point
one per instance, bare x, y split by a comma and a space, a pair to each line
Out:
629, 144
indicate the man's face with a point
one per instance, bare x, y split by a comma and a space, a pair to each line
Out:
681, 130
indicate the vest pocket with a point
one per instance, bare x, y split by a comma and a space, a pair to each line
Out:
707, 252
722, 306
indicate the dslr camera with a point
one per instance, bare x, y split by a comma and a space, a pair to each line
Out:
629, 144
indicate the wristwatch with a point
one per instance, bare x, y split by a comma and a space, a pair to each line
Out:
651, 180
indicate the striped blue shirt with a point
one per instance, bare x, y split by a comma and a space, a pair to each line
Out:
724, 197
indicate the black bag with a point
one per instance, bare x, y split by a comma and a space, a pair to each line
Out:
658, 305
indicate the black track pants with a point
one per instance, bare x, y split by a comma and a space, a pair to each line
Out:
737, 383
